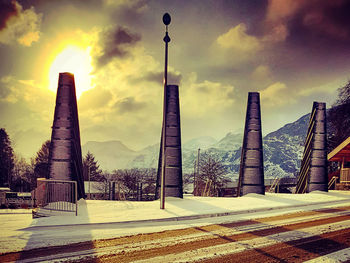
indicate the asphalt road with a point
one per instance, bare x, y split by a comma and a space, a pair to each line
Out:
294, 237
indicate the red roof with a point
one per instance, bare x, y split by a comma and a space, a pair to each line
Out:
341, 152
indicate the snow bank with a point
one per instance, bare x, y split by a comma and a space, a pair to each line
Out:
102, 211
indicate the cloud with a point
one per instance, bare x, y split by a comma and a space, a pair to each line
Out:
129, 104
278, 10
26, 111
7, 9
261, 73
206, 97
126, 97
18, 25
5, 90
114, 42
276, 94
238, 39
26, 92
329, 19
278, 16
326, 88
157, 77
95, 98
261, 77
135, 5
319, 18
128, 12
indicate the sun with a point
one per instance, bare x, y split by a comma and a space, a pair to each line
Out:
75, 60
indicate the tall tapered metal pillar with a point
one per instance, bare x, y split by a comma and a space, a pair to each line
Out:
65, 159
169, 176
251, 174
313, 171
172, 151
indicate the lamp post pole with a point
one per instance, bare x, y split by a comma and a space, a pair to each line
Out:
195, 182
89, 182
166, 21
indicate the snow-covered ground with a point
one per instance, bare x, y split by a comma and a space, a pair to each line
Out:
107, 219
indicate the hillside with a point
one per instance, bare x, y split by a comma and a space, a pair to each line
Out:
282, 151
110, 154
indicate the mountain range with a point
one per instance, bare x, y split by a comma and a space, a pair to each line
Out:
283, 150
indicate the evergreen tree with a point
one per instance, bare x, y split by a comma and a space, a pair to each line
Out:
41, 162
22, 175
91, 170
6, 159
42, 156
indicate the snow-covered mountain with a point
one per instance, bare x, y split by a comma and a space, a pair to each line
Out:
110, 155
283, 148
200, 142
282, 151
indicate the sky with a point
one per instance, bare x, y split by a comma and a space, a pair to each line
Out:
293, 52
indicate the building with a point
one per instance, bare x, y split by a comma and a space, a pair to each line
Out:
96, 190
341, 154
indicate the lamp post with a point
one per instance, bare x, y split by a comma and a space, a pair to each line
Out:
166, 21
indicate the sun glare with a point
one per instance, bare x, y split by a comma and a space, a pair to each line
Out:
74, 60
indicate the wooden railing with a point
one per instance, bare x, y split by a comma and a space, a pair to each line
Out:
332, 182
345, 175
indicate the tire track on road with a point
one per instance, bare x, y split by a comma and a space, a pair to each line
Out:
147, 246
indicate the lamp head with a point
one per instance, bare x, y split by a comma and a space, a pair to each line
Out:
166, 19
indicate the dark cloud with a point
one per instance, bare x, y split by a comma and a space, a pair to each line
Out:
7, 9
114, 43
53, 3
327, 22
129, 12
323, 24
18, 25
129, 104
157, 77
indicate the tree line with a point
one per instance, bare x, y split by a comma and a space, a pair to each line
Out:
21, 175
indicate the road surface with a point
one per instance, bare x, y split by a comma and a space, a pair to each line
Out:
319, 236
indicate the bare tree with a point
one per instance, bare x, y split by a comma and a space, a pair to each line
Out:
339, 118
211, 175
148, 180
135, 181
102, 184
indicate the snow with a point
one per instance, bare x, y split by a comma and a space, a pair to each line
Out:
107, 219
335, 257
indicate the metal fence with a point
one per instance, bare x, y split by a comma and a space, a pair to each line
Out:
57, 195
